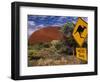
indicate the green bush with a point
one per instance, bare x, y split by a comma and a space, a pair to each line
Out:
32, 52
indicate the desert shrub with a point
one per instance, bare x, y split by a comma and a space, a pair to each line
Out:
37, 46
30, 47
46, 45
32, 53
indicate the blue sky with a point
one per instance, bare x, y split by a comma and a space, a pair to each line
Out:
36, 22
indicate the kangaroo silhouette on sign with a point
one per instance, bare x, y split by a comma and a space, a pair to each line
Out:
80, 30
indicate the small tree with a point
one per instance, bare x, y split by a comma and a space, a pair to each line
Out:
67, 30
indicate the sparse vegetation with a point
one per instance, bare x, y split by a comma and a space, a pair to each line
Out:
55, 52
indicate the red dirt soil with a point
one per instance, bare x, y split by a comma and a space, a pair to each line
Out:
46, 34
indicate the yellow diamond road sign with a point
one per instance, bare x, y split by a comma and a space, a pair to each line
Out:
81, 53
80, 31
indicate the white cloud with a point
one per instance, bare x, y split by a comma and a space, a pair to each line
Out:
32, 23
30, 31
61, 18
42, 17
41, 25
58, 24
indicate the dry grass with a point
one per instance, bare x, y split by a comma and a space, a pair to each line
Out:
56, 61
